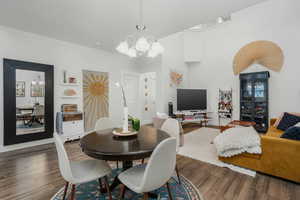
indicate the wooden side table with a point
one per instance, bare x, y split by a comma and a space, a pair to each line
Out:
235, 123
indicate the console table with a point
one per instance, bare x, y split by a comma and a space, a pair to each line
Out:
201, 117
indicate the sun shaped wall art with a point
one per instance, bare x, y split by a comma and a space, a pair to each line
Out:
95, 97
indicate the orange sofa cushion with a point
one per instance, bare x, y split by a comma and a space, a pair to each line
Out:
274, 132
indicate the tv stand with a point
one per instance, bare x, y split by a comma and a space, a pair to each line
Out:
193, 116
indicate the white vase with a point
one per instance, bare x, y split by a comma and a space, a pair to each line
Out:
125, 121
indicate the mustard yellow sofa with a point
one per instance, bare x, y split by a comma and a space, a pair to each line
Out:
280, 157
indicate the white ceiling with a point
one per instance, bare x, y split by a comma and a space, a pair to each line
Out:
88, 22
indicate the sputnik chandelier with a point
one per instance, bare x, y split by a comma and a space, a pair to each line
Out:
140, 44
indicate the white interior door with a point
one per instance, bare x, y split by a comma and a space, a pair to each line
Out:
131, 84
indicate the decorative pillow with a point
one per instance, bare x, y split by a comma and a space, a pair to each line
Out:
280, 117
292, 133
287, 121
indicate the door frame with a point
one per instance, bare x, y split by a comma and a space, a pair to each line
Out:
9, 101
123, 73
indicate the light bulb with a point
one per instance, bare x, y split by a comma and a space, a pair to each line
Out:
117, 84
123, 47
157, 47
152, 54
142, 44
220, 20
131, 53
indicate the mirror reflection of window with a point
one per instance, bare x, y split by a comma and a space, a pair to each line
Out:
30, 102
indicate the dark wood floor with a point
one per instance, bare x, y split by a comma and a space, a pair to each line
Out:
33, 174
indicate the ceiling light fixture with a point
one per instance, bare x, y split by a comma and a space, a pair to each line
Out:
140, 44
220, 20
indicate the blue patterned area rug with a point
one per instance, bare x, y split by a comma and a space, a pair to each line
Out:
90, 191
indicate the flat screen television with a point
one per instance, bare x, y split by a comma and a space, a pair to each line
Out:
191, 99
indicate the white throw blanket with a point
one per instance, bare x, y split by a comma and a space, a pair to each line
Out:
235, 141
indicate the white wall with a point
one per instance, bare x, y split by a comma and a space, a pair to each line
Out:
30, 47
172, 58
274, 20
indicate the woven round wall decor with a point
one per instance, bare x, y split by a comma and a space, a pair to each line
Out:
263, 52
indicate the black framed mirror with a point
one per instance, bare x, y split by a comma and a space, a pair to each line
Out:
28, 101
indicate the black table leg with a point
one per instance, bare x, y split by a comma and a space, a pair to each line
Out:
115, 183
152, 195
102, 189
126, 165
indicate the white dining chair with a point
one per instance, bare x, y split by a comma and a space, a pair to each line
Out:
171, 126
153, 175
105, 123
77, 172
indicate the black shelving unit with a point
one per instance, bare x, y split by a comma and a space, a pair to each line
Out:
254, 99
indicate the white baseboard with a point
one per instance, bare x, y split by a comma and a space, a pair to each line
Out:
25, 145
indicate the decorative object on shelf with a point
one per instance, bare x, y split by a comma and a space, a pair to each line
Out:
70, 92
225, 105
20, 88
254, 99
125, 108
175, 78
72, 80
69, 79
140, 44
64, 76
95, 97
69, 108
263, 52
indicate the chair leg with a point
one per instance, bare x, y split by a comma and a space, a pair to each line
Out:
118, 164
169, 191
107, 187
100, 185
65, 191
146, 196
143, 161
122, 193
73, 192
177, 172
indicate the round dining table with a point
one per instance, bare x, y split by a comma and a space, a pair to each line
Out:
104, 145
